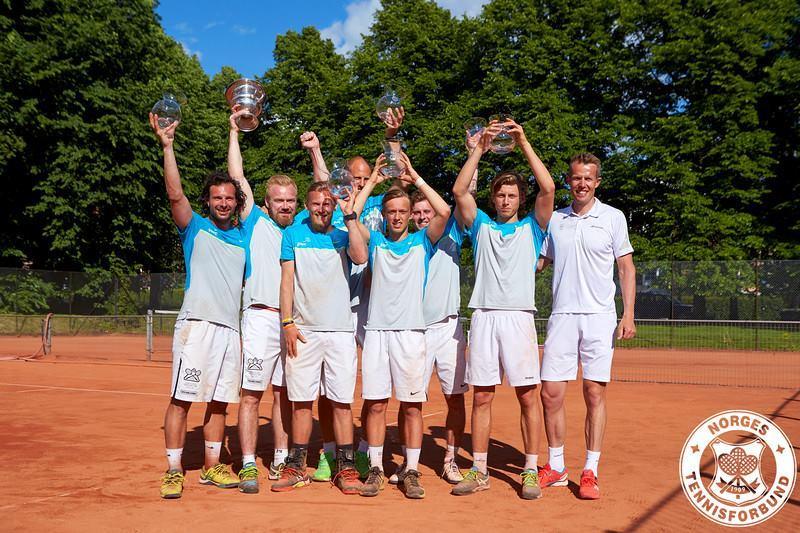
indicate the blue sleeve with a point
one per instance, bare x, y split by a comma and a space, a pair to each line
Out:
375, 239
480, 219
187, 234
429, 247
454, 232
538, 235
287, 245
300, 217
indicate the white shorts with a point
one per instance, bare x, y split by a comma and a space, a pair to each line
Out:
263, 349
333, 350
359, 321
206, 362
503, 342
585, 337
394, 358
445, 347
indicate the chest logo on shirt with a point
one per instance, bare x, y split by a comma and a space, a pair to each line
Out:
254, 363
192, 374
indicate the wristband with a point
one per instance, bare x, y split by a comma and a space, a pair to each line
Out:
287, 320
351, 216
420, 182
287, 324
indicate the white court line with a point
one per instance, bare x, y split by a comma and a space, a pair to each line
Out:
40, 500
109, 391
423, 416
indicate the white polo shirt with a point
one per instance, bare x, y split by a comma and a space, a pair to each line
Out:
583, 250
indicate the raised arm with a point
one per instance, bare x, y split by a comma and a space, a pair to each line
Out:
358, 237
375, 179
394, 119
547, 189
310, 142
441, 210
290, 331
466, 208
235, 165
179, 204
627, 282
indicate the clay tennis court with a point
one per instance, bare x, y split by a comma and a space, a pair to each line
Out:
83, 444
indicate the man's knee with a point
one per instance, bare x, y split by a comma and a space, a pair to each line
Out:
250, 399
377, 407
455, 403
594, 394
483, 397
553, 394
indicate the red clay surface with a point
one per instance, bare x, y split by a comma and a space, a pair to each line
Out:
83, 440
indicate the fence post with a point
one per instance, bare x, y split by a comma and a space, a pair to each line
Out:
149, 322
755, 301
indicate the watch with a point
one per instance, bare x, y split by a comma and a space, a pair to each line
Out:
351, 216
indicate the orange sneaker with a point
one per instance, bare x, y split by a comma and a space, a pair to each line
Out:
589, 489
552, 478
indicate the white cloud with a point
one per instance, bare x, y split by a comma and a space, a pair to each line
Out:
212, 24
189, 52
183, 27
346, 34
243, 30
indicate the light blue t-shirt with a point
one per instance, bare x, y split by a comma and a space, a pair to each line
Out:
215, 263
263, 272
443, 288
505, 262
321, 272
399, 269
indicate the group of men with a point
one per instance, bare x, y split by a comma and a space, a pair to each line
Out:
348, 271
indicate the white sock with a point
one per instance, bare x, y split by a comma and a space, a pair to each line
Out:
213, 450
592, 460
363, 446
450, 454
280, 456
530, 461
556, 458
174, 458
479, 460
248, 458
329, 447
412, 458
375, 456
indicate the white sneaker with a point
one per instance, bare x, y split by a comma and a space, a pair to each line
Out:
394, 479
451, 473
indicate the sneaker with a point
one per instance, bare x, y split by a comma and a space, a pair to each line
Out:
374, 483
248, 479
362, 464
474, 481
346, 480
530, 485
451, 473
275, 470
409, 484
589, 489
292, 477
394, 479
172, 484
219, 475
552, 478
327, 463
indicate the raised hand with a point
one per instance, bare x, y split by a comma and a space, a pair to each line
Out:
394, 118
346, 204
309, 140
409, 175
516, 132
234, 117
472, 141
377, 176
165, 135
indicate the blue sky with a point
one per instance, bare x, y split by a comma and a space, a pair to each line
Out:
242, 34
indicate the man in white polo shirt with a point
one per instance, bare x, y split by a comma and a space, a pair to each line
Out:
585, 240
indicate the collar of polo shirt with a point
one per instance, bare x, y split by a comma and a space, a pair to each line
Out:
594, 212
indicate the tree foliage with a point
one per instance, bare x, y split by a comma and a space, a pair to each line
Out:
694, 107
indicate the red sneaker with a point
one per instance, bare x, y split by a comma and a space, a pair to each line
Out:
552, 478
589, 489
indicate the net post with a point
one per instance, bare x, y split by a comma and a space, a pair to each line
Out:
149, 322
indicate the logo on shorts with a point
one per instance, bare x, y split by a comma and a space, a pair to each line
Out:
738, 468
191, 374
254, 363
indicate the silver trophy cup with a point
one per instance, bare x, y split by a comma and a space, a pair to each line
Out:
246, 94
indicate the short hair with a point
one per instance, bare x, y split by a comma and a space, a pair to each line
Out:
319, 186
584, 158
281, 181
417, 197
509, 177
357, 159
216, 178
393, 194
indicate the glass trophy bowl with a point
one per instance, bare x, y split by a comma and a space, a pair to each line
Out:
503, 142
340, 180
474, 125
168, 110
246, 94
394, 167
390, 100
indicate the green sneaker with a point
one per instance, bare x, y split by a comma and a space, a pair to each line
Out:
172, 484
219, 475
530, 485
474, 481
325, 468
362, 465
248, 479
